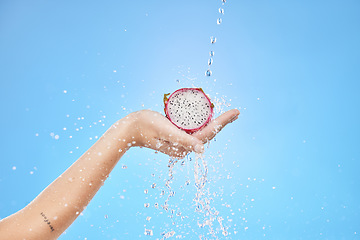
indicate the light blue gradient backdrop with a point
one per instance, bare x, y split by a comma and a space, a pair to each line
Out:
291, 67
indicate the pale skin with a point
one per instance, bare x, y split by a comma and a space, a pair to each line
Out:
57, 207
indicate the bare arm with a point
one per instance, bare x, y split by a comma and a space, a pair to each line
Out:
57, 207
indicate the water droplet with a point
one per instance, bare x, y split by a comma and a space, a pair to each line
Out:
146, 191
146, 205
148, 232
221, 10
211, 53
153, 185
224, 1
158, 145
106, 216
210, 61
213, 40
208, 73
148, 218
219, 20
124, 167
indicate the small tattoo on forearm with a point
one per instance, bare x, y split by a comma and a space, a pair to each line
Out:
47, 221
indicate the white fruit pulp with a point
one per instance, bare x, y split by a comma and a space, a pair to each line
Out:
189, 109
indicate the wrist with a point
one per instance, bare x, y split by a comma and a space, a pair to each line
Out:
121, 132
127, 131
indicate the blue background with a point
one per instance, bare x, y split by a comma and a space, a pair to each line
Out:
287, 169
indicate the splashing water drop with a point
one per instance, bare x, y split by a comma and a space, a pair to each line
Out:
210, 61
221, 10
213, 40
219, 20
148, 232
158, 145
153, 185
168, 234
208, 73
211, 53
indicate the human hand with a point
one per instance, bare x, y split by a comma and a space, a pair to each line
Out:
152, 130
216, 125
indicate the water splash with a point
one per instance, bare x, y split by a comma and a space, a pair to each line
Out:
167, 184
203, 197
148, 232
168, 234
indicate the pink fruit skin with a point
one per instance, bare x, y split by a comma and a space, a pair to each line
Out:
190, 131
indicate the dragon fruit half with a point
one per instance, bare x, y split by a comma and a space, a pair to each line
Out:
188, 108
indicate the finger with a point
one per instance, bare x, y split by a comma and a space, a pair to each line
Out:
178, 137
215, 126
176, 151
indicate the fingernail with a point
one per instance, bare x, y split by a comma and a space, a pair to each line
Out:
234, 118
199, 148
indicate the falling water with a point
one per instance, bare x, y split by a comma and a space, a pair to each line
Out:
203, 198
213, 39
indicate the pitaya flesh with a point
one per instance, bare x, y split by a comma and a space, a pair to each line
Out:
190, 109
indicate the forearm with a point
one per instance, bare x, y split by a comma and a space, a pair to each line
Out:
62, 201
